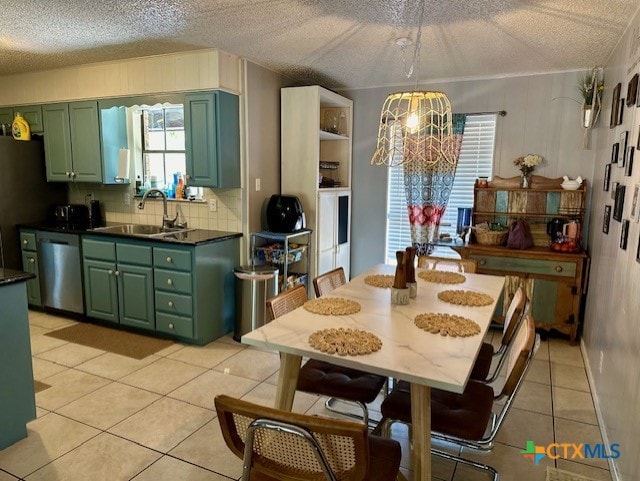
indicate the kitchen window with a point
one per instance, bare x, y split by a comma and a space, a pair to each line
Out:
163, 147
476, 160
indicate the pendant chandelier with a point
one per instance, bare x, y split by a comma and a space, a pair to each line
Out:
415, 126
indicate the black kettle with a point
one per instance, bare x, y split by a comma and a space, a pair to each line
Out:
554, 229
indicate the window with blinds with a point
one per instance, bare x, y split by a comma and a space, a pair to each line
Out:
476, 160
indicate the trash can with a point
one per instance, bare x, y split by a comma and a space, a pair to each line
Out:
254, 285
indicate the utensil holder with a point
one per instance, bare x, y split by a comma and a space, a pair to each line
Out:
400, 297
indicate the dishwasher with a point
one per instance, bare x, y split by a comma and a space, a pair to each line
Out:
61, 271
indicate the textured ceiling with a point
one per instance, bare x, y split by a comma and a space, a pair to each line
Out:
339, 43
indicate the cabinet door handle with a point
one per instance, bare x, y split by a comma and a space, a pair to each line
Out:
110, 272
25, 241
187, 176
117, 273
558, 268
68, 174
170, 303
482, 262
170, 282
32, 260
73, 174
170, 326
169, 259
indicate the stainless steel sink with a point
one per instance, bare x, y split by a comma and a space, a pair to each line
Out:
141, 230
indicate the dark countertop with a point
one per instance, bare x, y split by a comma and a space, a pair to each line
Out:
190, 237
11, 276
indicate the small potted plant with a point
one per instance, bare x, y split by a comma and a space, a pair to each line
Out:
526, 165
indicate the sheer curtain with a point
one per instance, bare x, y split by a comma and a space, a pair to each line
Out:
427, 189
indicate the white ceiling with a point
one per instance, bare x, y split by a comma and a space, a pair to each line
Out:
338, 43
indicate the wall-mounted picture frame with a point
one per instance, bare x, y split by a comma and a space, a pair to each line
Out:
638, 141
615, 105
607, 219
624, 234
638, 251
632, 91
621, 112
622, 150
628, 168
607, 177
614, 153
635, 205
618, 206
614, 187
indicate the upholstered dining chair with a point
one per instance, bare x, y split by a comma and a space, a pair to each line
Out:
329, 281
284, 446
512, 320
467, 419
446, 264
324, 378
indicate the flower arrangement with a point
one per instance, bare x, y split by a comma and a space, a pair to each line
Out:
527, 163
591, 82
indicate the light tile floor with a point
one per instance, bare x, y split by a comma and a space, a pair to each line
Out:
112, 418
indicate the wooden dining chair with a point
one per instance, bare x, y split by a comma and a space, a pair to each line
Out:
512, 320
284, 446
329, 281
324, 378
446, 264
467, 419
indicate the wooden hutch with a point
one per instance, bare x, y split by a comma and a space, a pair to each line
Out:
554, 281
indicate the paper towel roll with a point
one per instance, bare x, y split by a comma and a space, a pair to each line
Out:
123, 165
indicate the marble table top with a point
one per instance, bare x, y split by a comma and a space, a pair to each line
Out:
408, 353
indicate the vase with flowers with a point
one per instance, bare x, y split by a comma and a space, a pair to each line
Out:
591, 86
527, 164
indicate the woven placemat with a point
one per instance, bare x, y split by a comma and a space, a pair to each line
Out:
379, 280
465, 298
447, 324
332, 306
442, 277
345, 341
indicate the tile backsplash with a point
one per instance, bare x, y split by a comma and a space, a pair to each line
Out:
228, 216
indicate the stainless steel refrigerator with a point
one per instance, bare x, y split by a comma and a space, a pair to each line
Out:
25, 194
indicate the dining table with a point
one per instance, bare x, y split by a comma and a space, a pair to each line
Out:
408, 353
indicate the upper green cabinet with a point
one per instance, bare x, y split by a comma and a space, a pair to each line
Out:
33, 115
6, 115
212, 140
72, 142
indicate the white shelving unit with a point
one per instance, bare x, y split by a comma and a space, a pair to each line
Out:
316, 141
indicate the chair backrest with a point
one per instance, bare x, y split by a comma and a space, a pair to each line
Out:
276, 448
286, 301
520, 356
513, 317
329, 281
445, 264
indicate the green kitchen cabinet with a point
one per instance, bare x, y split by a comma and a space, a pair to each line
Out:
101, 290
72, 142
30, 264
6, 115
33, 115
212, 139
135, 296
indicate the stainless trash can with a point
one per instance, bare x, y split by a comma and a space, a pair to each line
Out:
254, 285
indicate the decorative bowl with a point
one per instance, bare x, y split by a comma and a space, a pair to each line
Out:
571, 185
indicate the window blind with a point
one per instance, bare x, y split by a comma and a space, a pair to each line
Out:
476, 160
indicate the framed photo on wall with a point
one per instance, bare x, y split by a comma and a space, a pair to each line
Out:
624, 234
632, 91
607, 177
621, 112
614, 187
614, 153
618, 205
615, 105
638, 251
607, 219
622, 150
629, 166
635, 205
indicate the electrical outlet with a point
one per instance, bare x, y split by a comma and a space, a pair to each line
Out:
601, 362
257, 185
127, 198
213, 205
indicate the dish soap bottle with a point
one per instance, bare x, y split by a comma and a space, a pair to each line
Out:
20, 128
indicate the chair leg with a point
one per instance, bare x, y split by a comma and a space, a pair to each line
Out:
330, 404
480, 466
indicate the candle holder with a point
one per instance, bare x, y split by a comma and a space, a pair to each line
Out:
400, 297
413, 289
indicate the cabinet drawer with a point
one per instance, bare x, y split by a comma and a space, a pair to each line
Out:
172, 281
96, 249
172, 259
134, 254
526, 266
174, 303
179, 326
28, 241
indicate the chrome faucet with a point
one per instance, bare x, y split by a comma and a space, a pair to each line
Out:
167, 222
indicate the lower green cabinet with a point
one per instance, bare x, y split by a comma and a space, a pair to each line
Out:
101, 290
30, 265
135, 296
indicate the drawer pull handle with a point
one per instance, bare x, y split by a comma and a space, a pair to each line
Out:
32, 260
25, 241
110, 272
482, 262
171, 326
170, 303
117, 273
170, 282
169, 259
558, 268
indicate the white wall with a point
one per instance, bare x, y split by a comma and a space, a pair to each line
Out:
611, 328
541, 119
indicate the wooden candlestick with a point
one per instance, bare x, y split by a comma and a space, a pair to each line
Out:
409, 266
400, 280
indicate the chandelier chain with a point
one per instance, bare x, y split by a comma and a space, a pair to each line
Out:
415, 61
